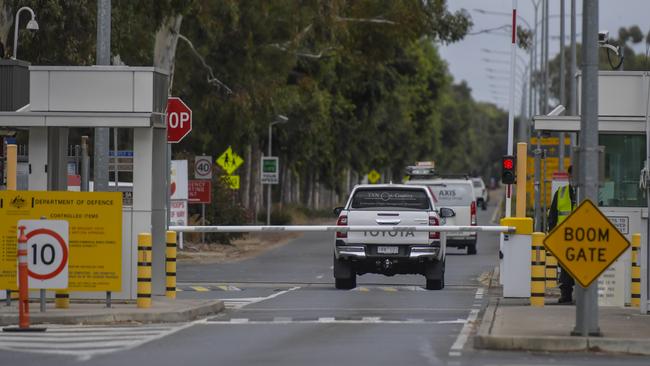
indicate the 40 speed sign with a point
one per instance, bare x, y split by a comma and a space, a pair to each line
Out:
47, 253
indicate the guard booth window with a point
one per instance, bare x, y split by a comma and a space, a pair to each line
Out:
624, 157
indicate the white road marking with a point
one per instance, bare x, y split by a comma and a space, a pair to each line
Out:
319, 277
329, 320
238, 303
458, 345
85, 342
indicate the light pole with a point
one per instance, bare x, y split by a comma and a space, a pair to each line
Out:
31, 25
278, 119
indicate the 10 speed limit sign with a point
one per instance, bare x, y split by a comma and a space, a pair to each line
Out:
47, 253
203, 167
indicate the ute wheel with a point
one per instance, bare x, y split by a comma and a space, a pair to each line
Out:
483, 205
471, 249
346, 283
435, 284
344, 276
435, 275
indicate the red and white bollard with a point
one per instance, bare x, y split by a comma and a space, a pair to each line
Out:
23, 288
23, 285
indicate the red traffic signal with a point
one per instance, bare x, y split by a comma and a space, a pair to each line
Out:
508, 169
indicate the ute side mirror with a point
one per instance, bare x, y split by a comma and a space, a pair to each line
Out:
337, 211
447, 212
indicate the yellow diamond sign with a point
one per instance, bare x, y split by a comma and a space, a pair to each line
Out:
586, 243
229, 161
374, 176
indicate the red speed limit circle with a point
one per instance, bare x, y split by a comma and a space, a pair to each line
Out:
64, 250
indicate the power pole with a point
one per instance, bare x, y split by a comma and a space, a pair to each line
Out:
103, 58
562, 88
587, 298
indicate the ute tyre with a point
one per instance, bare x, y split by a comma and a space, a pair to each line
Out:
435, 284
435, 276
346, 283
471, 249
483, 205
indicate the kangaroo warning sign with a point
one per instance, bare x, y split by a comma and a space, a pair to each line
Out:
586, 243
94, 251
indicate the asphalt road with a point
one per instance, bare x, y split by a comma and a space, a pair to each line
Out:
282, 309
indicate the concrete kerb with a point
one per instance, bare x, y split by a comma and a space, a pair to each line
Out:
484, 339
179, 313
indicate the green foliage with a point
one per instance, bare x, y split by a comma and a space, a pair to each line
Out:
224, 210
362, 82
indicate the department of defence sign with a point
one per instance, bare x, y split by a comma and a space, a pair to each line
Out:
586, 243
95, 241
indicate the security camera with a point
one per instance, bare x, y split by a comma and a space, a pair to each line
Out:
603, 36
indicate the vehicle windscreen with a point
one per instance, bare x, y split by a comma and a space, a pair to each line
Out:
390, 198
477, 184
452, 194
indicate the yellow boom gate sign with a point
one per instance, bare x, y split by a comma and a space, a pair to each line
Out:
586, 243
95, 219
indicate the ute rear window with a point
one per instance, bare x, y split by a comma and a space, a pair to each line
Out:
414, 199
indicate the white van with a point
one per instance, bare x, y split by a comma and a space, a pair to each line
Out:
457, 194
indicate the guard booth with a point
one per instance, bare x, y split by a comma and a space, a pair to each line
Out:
50, 101
623, 101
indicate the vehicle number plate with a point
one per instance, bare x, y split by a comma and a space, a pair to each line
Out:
387, 250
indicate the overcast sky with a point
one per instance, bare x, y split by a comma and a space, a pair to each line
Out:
465, 58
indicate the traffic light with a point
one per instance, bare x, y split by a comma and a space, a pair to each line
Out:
508, 169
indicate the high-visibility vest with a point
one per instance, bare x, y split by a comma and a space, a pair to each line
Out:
564, 204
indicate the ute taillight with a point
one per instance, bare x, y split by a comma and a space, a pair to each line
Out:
342, 221
473, 214
433, 221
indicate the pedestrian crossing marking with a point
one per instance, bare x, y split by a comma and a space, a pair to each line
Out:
85, 342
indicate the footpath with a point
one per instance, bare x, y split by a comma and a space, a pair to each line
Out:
162, 310
512, 324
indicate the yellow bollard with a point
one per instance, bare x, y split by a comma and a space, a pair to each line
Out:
144, 270
537, 275
170, 264
61, 299
551, 270
12, 167
635, 289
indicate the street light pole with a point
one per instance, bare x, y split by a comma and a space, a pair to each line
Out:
587, 298
279, 119
31, 25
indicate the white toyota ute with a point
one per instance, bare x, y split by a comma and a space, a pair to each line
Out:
390, 252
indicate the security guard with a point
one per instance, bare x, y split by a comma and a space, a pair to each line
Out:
564, 202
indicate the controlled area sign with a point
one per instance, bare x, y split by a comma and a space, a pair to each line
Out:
47, 253
586, 243
95, 236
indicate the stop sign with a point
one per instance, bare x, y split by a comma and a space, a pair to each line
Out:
179, 120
